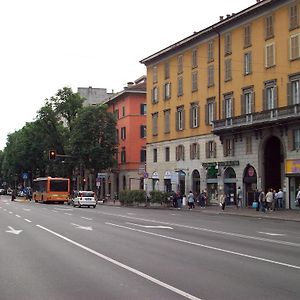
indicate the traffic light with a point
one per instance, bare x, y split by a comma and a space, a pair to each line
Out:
52, 154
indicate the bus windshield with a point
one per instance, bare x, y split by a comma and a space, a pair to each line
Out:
59, 186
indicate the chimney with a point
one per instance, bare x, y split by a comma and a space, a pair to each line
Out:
130, 83
221, 18
228, 15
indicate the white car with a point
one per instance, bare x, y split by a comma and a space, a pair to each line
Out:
84, 198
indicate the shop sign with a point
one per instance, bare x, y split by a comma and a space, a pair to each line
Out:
222, 163
167, 175
292, 166
155, 175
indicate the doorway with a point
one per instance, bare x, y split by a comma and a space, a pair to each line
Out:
273, 158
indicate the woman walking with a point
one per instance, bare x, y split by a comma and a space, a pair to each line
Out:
191, 200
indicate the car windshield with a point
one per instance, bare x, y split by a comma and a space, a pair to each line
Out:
86, 194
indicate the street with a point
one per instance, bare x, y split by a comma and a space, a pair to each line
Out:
111, 252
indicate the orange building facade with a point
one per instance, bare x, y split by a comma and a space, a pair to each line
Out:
129, 107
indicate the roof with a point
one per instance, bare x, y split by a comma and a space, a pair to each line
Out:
211, 30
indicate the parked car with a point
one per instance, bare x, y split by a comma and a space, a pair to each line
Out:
84, 198
2, 191
9, 191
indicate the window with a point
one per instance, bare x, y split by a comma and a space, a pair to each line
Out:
116, 113
228, 73
270, 95
154, 74
167, 121
154, 95
194, 81
143, 131
248, 144
228, 145
143, 109
143, 155
123, 133
247, 36
227, 44
123, 111
247, 101
295, 46
123, 155
180, 86
194, 151
167, 90
210, 111
211, 72
194, 115
210, 51
211, 149
154, 123
167, 70
180, 152
270, 55
228, 106
167, 154
194, 59
180, 118
247, 63
269, 27
296, 134
154, 155
294, 16
294, 90
180, 64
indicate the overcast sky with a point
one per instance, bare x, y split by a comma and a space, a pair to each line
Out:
49, 44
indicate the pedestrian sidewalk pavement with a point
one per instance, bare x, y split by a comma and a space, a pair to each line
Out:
284, 214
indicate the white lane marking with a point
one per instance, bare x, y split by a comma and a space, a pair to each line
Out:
85, 218
208, 230
128, 268
27, 209
13, 231
68, 214
27, 220
55, 211
4, 209
131, 214
272, 234
18, 216
150, 226
10, 212
90, 228
208, 247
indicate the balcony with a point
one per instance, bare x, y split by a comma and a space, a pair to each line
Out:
258, 120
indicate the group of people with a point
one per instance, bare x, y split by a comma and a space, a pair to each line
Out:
191, 199
272, 200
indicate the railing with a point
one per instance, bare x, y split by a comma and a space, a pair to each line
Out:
281, 113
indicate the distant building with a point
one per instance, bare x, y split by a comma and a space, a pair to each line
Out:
130, 108
94, 96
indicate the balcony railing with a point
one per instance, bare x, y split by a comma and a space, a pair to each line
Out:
265, 117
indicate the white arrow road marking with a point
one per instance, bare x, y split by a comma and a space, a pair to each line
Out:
27, 209
150, 226
272, 234
90, 219
82, 227
13, 231
27, 220
18, 216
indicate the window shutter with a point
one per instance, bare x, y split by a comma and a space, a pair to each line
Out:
250, 62
225, 148
233, 107
275, 96
215, 110
176, 121
198, 151
233, 146
207, 149
206, 114
183, 119
264, 94
176, 153
289, 93
198, 116
291, 140
191, 152
191, 117
215, 149
242, 104
183, 152
141, 131
223, 109
253, 102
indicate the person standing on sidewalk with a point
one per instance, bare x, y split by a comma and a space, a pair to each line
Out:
223, 200
239, 197
191, 200
269, 199
262, 201
279, 199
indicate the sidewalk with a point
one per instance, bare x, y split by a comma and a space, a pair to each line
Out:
286, 214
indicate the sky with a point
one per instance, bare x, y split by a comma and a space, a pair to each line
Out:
49, 44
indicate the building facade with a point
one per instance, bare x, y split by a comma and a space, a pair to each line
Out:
94, 96
224, 106
130, 109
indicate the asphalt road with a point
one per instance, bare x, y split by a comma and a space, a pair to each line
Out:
60, 252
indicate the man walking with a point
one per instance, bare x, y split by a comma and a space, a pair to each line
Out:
279, 199
239, 196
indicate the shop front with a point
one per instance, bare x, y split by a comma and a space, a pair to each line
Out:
292, 172
155, 181
230, 186
250, 184
212, 185
167, 182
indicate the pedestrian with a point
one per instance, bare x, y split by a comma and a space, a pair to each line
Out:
256, 199
223, 200
203, 199
279, 199
179, 201
269, 199
13, 195
298, 196
191, 200
262, 201
239, 196
174, 199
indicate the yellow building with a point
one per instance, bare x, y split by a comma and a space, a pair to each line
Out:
224, 106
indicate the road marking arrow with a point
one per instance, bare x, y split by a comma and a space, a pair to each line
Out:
150, 226
13, 231
83, 227
272, 234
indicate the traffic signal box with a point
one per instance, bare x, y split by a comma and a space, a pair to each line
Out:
52, 154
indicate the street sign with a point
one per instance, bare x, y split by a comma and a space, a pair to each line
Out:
101, 175
25, 176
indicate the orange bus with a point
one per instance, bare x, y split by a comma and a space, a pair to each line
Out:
51, 189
